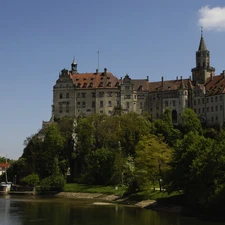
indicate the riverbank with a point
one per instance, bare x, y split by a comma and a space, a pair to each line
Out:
147, 204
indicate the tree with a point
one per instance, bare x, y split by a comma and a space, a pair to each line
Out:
189, 121
152, 159
164, 127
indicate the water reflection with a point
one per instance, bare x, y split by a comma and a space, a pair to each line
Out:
60, 211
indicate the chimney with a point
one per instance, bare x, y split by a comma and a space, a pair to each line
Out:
162, 81
105, 71
96, 71
211, 76
181, 77
147, 78
177, 77
223, 73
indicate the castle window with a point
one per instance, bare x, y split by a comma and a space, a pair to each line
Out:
212, 119
199, 111
60, 111
127, 87
101, 104
93, 94
174, 103
85, 85
207, 109
78, 94
101, 84
207, 100
67, 110
91, 84
109, 94
212, 109
216, 99
203, 101
118, 103
199, 101
220, 97
110, 112
101, 94
60, 95
83, 104
203, 110
78, 104
109, 103
203, 64
194, 102
128, 105
141, 105
216, 107
93, 104
118, 94
211, 99
78, 85
109, 84
221, 107
67, 95
83, 94
101, 111
216, 117
166, 103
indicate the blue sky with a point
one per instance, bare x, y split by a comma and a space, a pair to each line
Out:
142, 38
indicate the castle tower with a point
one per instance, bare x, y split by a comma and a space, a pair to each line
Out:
74, 67
203, 70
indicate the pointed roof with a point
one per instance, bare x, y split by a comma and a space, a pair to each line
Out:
202, 45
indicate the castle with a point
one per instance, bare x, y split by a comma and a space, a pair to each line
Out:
82, 94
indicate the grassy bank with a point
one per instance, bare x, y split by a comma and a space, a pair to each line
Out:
120, 191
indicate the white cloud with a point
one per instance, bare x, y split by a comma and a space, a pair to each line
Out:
212, 18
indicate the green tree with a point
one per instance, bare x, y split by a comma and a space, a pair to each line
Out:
189, 121
152, 160
164, 127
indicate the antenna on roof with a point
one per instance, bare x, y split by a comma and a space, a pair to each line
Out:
98, 60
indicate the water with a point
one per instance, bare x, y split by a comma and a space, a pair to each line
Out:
62, 211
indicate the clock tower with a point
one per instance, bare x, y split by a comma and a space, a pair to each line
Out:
203, 70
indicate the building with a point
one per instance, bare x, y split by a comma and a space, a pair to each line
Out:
82, 94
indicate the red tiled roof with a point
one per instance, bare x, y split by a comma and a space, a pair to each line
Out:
95, 80
169, 85
215, 85
4, 165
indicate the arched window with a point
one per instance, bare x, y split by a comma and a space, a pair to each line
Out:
174, 116
60, 95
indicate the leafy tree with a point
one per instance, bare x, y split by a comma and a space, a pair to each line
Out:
32, 179
164, 127
152, 159
189, 121
100, 165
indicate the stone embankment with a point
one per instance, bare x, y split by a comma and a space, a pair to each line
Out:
104, 197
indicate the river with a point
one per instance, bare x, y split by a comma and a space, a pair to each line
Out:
63, 211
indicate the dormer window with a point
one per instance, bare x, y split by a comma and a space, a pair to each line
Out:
85, 85
91, 84
78, 85
109, 84
101, 84
140, 88
117, 84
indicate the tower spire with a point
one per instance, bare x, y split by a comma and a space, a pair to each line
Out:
202, 45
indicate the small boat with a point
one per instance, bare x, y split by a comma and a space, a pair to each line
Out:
5, 188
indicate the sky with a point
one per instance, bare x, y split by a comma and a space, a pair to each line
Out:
142, 38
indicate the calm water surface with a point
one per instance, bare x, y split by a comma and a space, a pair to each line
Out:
61, 211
